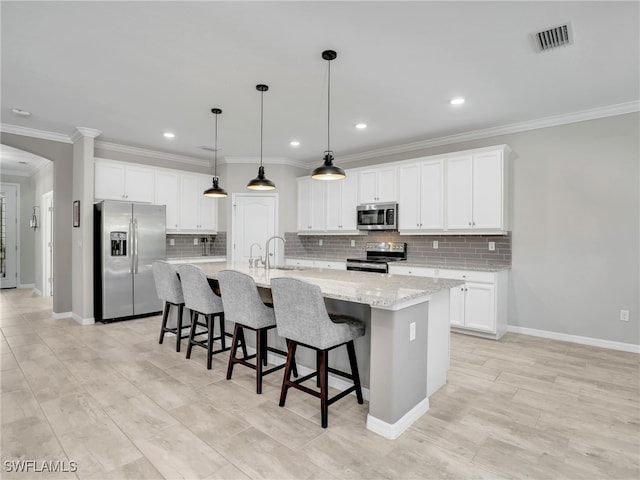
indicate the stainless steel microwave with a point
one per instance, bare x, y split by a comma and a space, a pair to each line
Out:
377, 216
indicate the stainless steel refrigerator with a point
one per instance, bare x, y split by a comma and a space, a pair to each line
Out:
128, 238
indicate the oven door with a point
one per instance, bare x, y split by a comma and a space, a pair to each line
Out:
367, 267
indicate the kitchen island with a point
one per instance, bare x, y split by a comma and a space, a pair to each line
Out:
408, 329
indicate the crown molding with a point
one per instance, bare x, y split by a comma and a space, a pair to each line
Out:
265, 160
84, 132
144, 152
553, 121
32, 132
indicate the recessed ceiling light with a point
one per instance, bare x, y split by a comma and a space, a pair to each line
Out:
361, 126
294, 143
21, 113
169, 135
457, 101
22, 162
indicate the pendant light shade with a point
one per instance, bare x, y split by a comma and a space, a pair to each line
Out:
328, 171
215, 190
261, 182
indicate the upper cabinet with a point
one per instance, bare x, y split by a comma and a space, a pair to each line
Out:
119, 181
477, 192
421, 197
197, 212
168, 193
341, 203
377, 185
311, 209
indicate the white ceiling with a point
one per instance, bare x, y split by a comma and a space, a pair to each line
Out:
134, 70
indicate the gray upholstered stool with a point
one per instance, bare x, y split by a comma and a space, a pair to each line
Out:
243, 305
200, 298
170, 292
302, 319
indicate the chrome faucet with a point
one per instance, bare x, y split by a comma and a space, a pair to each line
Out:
258, 260
267, 261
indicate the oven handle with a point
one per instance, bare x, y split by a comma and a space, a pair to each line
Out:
367, 267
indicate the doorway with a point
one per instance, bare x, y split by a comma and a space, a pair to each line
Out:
254, 219
47, 244
9, 235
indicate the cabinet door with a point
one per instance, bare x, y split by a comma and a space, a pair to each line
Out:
167, 194
139, 184
317, 205
479, 307
304, 204
409, 197
367, 188
334, 204
109, 181
387, 185
208, 213
456, 306
189, 202
487, 190
431, 195
459, 184
349, 202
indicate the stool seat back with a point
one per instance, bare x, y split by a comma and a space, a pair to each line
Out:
198, 294
242, 302
167, 282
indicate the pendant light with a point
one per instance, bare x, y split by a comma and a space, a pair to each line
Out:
215, 190
328, 171
261, 182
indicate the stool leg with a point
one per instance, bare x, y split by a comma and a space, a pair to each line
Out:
318, 378
237, 331
210, 340
354, 371
165, 315
260, 348
324, 387
291, 354
192, 333
223, 342
264, 346
294, 368
243, 344
178, 331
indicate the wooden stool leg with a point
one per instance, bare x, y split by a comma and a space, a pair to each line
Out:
294, 368
237, 331
260, 348
264, 346
165, 315
324, 387
178, 331
318, 379
291, 353
209, 340
243, 344
223, 341
354, 370
192, 333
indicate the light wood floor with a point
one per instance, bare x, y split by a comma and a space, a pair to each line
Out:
111, 399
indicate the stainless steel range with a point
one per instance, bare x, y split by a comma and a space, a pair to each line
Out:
378, 257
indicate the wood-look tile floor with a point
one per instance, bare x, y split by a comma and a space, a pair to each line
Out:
116, 403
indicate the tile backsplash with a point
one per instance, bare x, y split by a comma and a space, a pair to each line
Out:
452, 251
214, 245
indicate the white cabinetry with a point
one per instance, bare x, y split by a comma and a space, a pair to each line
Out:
168, 194
197, 212
421, 197
299, 262
118, 181
311, 210
477, 307
477, 192
341, 203
377, 185
303, 262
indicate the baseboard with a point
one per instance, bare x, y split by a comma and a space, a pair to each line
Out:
394, 430
594, 342
27, 285
83, 321
60, 315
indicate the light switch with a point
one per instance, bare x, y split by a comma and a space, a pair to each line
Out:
435, 244
353, 243
195, 241
492, 246
172, 241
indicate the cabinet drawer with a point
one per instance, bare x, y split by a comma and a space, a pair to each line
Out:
299, 262
328, 264
415, 271
471, 276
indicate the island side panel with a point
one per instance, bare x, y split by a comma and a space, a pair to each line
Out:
398, 377
439, 341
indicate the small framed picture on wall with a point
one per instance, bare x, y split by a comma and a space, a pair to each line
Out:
76, 213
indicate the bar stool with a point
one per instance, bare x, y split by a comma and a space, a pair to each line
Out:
169, 291
302, 319
202, 301
243, 306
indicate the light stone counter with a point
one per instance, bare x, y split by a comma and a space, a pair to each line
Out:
201, 259
406, 346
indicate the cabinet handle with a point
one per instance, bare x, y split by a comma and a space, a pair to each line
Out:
469, 223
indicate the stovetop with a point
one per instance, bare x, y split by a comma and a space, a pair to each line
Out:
383, 252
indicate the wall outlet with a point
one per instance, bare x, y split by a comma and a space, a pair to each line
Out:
492, 246
320, 242
624, 315
195, 241
435, 244
353, 243
412, 331
172, 242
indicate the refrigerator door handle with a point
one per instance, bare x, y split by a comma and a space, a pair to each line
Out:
135, 246
131, 243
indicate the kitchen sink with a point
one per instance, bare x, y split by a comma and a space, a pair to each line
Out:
288, 267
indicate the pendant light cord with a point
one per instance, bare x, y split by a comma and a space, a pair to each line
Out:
329, 109
261, 122
215, 150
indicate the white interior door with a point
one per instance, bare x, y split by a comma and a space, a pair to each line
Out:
9, 235
46, 221
254, 220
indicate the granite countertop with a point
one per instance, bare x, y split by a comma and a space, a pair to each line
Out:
472, 268
374, 289
200, 259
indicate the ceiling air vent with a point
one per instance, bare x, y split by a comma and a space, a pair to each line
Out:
553, 37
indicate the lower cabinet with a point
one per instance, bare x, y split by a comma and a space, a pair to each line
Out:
303, 262
478, 306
